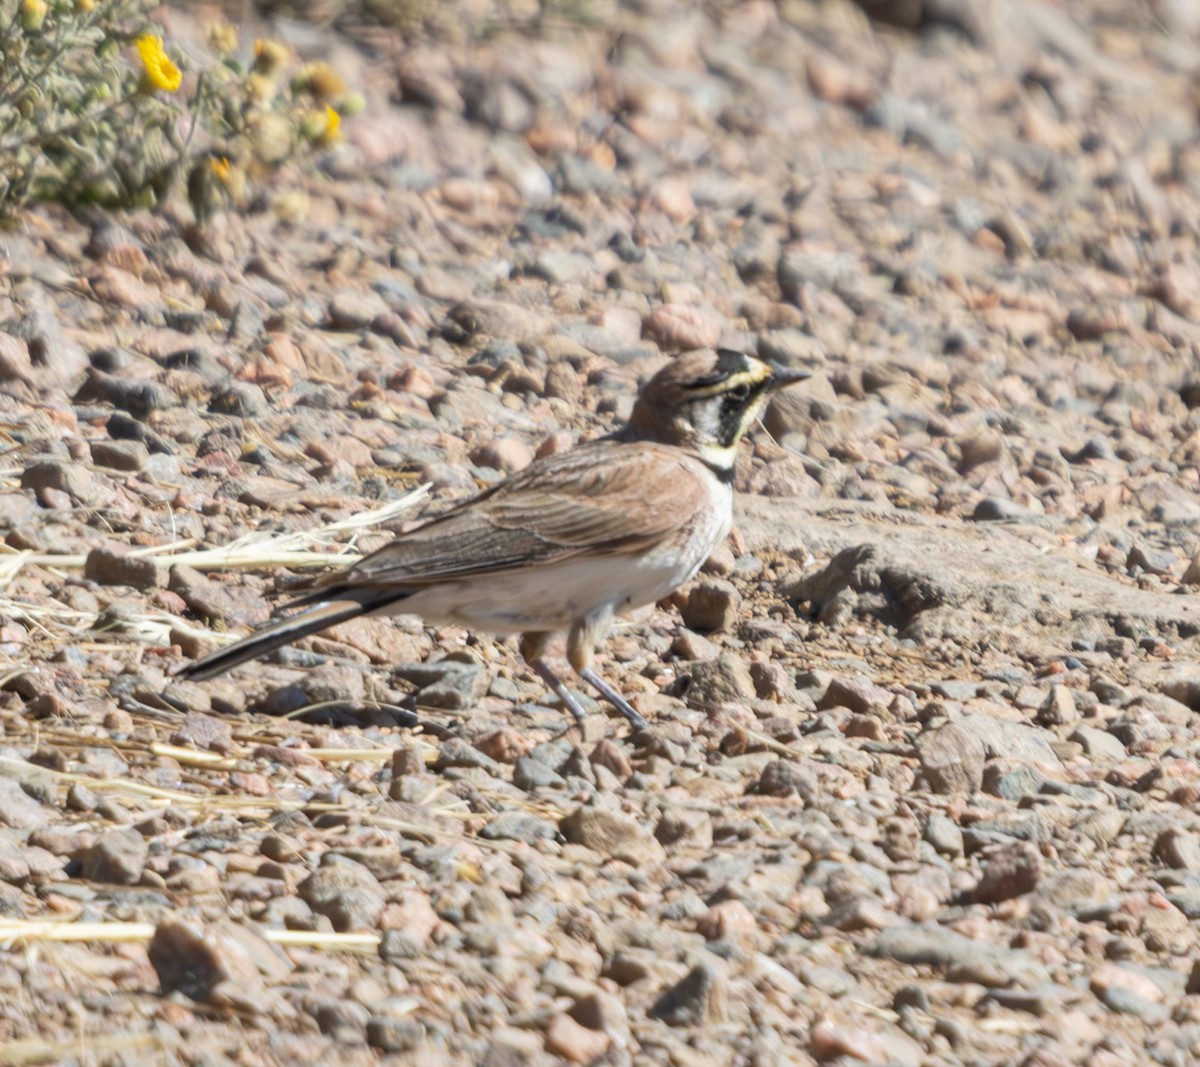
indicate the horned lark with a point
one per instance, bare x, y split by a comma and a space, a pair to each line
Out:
569, 541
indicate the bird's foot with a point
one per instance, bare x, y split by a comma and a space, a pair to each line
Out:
571, 701
589, 675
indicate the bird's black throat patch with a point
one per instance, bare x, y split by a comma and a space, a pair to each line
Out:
731, 422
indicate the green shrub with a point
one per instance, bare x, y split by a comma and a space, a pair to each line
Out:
95, 108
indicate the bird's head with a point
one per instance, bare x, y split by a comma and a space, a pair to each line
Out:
706, 400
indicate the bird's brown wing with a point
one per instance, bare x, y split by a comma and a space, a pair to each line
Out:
599, 498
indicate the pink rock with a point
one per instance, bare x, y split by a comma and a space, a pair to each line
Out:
828, 1040
412, 913
730, 920
681, 327
1110, 976
505, 454
573, 1042
624, 324
556, 442
673, 196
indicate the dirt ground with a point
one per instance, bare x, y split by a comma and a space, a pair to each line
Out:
921, 783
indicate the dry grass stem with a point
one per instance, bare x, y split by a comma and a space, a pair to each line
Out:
116, 933
136, 626
295, 549
33, 1050
195, 757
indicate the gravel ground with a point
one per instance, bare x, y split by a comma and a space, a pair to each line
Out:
921, 782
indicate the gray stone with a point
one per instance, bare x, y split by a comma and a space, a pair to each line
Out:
1153, 560
345, 892
1102, 827
1127, 1001
1002, 779
785, 778
1139, 723
938, 946
955, 689
241, 399
454, 685
213, 600
343, 1020
81, 485
603, 1011
530, 774
860, 695
352, 309
999, 509
204, 732
1187, 900
455, 752
138, 396
117, 858
1178, 848
951, 759
714, 682
1043, 1000
711, 605
120, 455
400, 945
684, 828
16, 509
15, 363
944, 835
105, 567
612, 834
18, 809
205, 963
1077, 892
1183, 686
611, 756
519, 826
1058, 709
1003, 737
1009, 871
1099, 744
700, 998
394, 1034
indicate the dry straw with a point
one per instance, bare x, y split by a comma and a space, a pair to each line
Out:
303, 548
27, 931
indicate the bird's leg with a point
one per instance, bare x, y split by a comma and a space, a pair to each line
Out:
533, 649
560, 690
580, 645
589, 675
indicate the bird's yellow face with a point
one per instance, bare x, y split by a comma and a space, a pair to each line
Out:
705, 401
724, 401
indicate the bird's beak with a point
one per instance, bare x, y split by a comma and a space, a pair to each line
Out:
785, 376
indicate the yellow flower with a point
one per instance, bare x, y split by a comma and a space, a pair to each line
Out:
322, 127
33, 15
333, 123
161, 73
221, 166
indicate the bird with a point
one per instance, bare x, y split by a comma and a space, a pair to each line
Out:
569, 541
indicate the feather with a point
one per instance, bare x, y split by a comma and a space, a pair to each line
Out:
319, 616
597, 499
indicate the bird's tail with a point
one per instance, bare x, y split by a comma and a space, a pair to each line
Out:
337, 606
